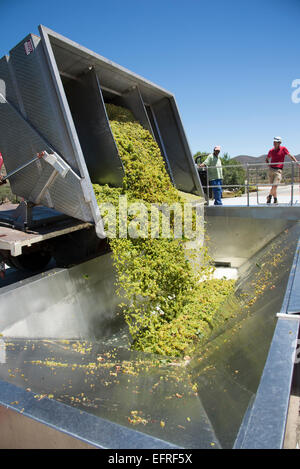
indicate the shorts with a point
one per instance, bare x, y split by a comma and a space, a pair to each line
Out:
275, 175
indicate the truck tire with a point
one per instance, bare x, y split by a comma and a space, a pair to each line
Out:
77, 247
30, 261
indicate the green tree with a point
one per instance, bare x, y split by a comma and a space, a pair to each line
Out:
200, 156
233, 173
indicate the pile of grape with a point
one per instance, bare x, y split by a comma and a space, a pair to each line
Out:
165, 305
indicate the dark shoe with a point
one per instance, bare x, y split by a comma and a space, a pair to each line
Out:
269, 198
275, 200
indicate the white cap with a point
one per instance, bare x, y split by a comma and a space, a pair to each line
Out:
277, 139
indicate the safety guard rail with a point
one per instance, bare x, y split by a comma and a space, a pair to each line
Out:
254, 172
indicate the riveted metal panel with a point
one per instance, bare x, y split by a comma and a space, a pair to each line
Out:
40, 125
19, 143
38, 97
7, 82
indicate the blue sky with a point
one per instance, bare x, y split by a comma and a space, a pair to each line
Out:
229, 63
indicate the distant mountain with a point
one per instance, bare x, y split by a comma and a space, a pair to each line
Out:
246, 159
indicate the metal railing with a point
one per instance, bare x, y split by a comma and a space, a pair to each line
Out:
257, 176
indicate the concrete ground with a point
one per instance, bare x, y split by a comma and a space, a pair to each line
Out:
292, 434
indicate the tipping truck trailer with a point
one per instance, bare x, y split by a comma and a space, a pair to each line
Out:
52, 103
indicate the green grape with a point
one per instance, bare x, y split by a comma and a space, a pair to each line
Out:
164, 303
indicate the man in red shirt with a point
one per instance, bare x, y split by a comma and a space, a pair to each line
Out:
1, 164
276, 158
